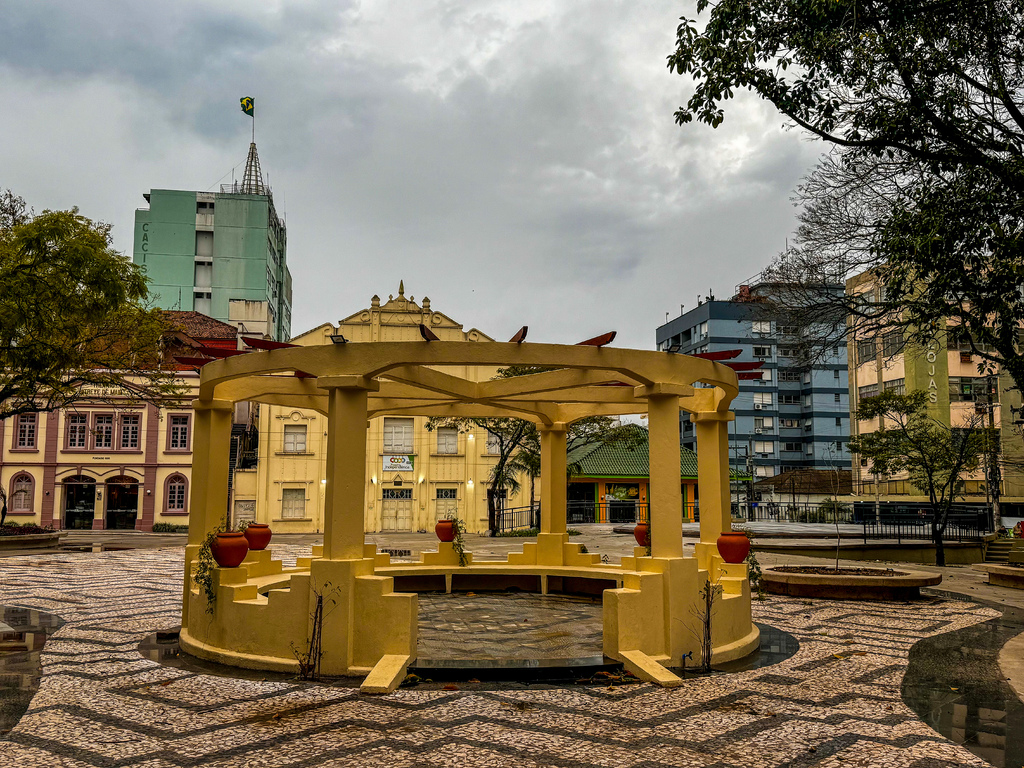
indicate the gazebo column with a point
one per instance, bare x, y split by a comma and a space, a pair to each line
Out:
211, 453
553, 478
344, 495
208, 497
665, 498
712, 431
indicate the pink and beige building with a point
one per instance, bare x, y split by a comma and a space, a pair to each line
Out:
111, 462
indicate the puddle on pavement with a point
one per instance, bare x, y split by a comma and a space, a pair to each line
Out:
953, 683
23, 633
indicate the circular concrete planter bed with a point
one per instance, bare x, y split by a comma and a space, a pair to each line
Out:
49, 540
847, 583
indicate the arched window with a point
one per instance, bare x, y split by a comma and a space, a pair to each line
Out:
21, 493
176, 494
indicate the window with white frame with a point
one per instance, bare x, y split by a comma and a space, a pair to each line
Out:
398, 435
791, 447
26, 430
871, 390
176, 493
789, 399
789, 374
294, 438
896, 385
762, 351
21, 493
448, 440
293, 503
763, 472
761, 326
178, 440
764, 423
493, 445
807, 399
766, 374
78, 428
762, 398
103, 431
764, 446
129, 431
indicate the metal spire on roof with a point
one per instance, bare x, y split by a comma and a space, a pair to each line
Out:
252, 181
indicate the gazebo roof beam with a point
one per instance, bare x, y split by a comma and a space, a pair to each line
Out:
547, 381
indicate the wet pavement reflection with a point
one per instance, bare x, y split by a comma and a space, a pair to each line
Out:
955, 685
23, 633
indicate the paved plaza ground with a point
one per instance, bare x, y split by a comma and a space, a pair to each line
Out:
836, 702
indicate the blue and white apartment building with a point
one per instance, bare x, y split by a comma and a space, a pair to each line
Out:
798, 415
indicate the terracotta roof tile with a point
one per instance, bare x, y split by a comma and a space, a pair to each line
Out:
200, 326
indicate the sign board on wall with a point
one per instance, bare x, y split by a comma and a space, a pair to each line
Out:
397, 463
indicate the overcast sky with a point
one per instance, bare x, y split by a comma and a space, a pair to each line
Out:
514, 160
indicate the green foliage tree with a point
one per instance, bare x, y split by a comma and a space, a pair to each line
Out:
516, 444
935, 456
72, 315
924, 103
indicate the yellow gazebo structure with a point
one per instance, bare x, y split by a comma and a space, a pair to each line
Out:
262, 611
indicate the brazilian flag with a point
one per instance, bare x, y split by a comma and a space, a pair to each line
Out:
248, 105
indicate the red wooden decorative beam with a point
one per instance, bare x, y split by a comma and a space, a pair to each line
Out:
745, 366
520, 336
304, 375
747, 375
218, 352
198, 362
265, 344
727, 354
599, 341
427, 334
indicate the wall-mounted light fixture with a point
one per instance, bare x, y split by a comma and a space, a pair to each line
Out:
324, 481
469, 483
337, 338
373, 479
149, 491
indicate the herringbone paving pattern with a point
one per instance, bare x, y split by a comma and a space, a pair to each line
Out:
835, 703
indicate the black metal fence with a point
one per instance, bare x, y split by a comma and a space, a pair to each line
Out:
899, 523
515, 518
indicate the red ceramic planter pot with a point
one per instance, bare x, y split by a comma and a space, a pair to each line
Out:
733, 547
229, 549
258, 535
445, 530
642, 534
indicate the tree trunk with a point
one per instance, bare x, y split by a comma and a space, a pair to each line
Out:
492, 517
940, 553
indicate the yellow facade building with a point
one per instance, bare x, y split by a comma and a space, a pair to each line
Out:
414, 476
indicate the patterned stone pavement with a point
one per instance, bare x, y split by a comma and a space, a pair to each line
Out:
835, 703
509, 626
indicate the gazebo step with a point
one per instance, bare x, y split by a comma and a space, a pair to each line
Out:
386, 676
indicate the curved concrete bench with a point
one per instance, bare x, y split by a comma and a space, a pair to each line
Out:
1002, 575
904, 586
498, 575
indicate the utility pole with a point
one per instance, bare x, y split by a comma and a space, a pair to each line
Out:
750, 479
994, 476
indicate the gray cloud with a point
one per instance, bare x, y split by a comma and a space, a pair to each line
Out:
515, 161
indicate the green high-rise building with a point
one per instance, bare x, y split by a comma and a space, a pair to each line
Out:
220, 253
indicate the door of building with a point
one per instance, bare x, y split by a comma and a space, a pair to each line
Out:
396, 509
446, 504
122, 503
79, 502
